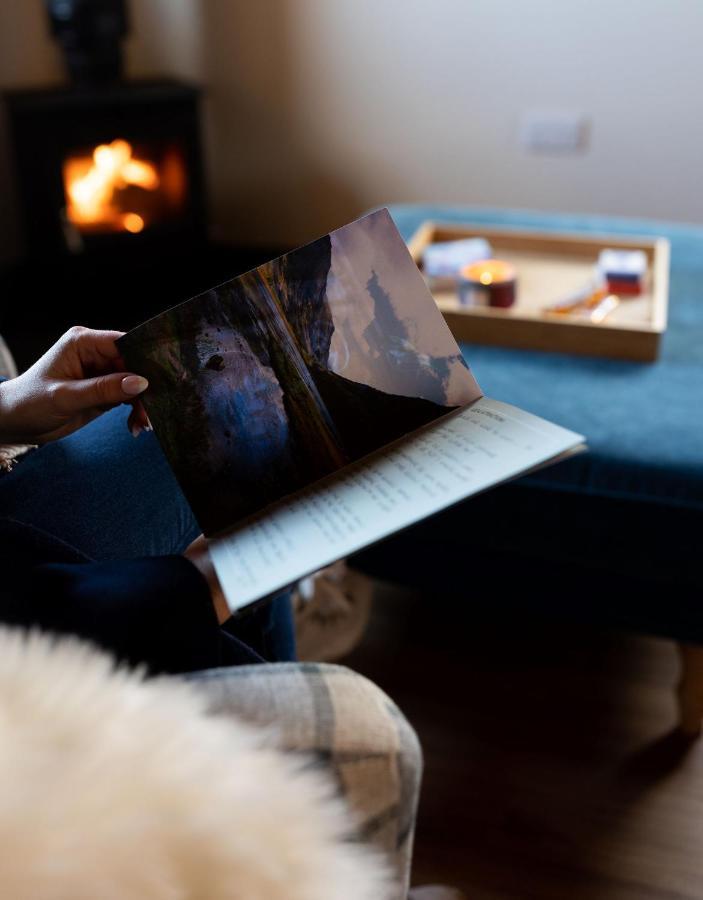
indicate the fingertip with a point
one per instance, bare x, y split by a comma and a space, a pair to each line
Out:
133, 385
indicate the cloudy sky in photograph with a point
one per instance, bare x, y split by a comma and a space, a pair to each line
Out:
388, 331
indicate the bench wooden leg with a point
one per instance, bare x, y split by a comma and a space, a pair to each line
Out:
690, 689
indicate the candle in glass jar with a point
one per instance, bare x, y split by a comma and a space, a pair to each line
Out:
488, 282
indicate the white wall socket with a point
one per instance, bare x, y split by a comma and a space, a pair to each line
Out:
553, 131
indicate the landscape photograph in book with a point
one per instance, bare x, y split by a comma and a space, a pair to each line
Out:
289, 372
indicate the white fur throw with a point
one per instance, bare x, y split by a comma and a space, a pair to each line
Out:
112, 787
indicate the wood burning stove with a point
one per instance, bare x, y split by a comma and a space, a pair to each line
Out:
110, 188
111, 167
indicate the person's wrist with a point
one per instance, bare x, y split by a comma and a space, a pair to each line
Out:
10, 430
199, 556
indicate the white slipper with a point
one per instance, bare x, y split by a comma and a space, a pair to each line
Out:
332, 609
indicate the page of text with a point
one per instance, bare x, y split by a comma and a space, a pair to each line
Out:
449, 460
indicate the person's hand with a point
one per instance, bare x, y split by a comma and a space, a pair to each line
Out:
199, 555
75, 381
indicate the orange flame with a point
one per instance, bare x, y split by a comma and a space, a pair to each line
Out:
133, 222
92, 185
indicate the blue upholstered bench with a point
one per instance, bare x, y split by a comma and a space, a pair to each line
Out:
614, 535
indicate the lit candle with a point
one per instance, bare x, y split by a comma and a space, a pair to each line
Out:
487, 282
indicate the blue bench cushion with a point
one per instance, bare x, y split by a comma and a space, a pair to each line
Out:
520, 550
643, 421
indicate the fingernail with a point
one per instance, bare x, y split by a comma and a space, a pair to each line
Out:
135, 430
133, 385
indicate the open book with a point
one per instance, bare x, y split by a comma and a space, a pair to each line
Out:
318, 404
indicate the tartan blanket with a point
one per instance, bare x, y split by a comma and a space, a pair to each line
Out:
345, 723
8, 369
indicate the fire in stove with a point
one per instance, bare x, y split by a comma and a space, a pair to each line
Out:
113, 188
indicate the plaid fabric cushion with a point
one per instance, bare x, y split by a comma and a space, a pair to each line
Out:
8, 369
351, 726
9, 453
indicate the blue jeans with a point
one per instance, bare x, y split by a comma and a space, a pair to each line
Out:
110, 496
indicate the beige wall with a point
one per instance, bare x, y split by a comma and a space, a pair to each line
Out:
388, 100
317, 109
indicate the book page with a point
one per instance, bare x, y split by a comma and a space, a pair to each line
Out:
445, 462
286, 374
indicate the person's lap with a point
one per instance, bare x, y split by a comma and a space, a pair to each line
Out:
111, 496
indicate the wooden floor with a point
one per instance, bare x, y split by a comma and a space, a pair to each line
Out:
551, 767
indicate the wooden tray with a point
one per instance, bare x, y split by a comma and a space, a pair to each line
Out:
550, 267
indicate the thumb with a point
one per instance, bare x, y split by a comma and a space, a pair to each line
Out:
105, 390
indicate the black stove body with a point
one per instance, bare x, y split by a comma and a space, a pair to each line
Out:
108, 169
